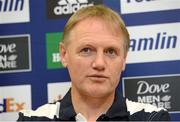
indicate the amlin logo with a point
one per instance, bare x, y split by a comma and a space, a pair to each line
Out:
158, 43
14, 11
57, 8
52, 46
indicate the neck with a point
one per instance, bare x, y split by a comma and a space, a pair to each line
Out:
91, 107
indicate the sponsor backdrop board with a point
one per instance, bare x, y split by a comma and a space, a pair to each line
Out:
31, 73
161, 91
57, 90
13, 99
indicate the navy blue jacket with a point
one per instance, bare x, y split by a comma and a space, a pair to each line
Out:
121, 110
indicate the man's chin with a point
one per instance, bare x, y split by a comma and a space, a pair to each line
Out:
99, 93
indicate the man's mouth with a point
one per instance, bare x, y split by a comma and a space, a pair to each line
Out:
98, 77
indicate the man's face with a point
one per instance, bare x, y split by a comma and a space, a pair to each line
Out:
94, 57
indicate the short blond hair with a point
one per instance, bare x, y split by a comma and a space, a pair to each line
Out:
100, 12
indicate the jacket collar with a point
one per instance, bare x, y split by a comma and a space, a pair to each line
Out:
67, 111
118, 108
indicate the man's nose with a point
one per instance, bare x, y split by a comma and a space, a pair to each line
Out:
99, 62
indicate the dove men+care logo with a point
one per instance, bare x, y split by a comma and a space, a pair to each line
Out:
65, 8
14, 53
161, 91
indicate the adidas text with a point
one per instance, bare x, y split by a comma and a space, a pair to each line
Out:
70, 8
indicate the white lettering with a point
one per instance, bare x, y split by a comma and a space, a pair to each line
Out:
166, 105
144, 88
56, 57
3, 58
8, 64
7, 48
148, 99
69, 8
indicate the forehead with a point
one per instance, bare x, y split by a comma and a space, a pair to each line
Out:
95, 25
95, 28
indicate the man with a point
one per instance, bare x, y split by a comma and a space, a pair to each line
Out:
94, 49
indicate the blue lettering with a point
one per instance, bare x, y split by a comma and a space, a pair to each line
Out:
157, 40
128, 1
3, 106
132, 45
145, 42
172, 40
11, 5
139, 0
19, 3
161, 41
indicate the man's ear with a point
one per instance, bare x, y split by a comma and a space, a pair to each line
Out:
124, 65
63, 54
124, 62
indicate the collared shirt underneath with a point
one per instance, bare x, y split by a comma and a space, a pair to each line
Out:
121, 110
117, 112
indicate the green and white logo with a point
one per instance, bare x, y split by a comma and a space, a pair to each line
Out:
52, 47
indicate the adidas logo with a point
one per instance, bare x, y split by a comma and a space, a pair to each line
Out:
70, 6
65, 2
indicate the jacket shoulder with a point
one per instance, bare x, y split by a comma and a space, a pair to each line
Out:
44, 112
146, 112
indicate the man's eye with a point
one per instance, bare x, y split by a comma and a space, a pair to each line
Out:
86, 51
111, 52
